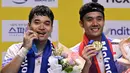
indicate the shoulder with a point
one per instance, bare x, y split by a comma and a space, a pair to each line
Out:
15, 46
114, 41
116, 49
75, 48
13, 49
60, 45
11, 53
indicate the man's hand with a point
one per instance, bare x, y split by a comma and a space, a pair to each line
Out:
29, 36
88, 52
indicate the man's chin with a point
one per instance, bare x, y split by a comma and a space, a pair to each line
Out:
42, 39
97, 35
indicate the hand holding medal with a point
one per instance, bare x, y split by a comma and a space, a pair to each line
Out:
91, 50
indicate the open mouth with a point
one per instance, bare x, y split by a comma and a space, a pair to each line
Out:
95, 29
41, 33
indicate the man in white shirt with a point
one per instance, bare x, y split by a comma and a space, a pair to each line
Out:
100, 57
31, 56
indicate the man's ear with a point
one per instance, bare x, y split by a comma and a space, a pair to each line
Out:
81, 23
29, 26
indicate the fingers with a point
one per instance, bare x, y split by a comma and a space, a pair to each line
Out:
88, 52
30, 34
89, 49
91, 52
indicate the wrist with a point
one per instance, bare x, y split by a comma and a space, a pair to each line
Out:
87, 64
23, 52
86, 68
26, 46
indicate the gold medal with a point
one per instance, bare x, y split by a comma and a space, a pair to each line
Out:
97, 45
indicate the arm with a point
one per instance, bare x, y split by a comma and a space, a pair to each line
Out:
14, 65
87, 54
86, 68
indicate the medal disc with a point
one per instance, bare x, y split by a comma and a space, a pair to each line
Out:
97, 45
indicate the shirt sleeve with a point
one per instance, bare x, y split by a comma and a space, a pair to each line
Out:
75, 48
11, 53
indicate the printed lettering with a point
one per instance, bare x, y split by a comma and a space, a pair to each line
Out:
118, 1
106, 59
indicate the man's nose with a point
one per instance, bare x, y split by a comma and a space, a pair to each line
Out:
42, 26
94, 22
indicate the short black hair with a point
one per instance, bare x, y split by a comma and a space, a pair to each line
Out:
41, 10
90, 7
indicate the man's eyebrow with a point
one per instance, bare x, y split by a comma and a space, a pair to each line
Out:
47, 21
92, 17
99, 16
88, 17
36, 20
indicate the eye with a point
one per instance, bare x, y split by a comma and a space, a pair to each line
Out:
37, 22
89, 19
48, 23
100, 18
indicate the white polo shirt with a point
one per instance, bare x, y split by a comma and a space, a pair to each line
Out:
14, 49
